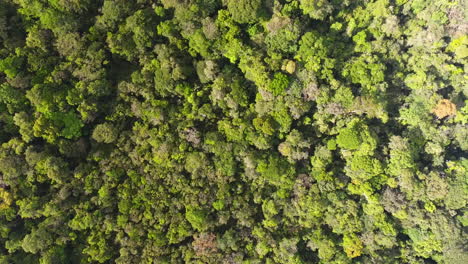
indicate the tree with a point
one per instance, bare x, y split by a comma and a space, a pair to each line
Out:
279, 84
316, 9
352, 245
245, 11
105, 133
37, 240
196, 217
233, 131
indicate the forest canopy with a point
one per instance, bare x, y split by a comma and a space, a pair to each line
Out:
233, 131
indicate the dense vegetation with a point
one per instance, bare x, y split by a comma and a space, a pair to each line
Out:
233, 131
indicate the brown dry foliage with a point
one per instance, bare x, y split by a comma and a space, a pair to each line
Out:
205, 244
444, 108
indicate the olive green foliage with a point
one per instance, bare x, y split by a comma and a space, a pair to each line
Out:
105, 133
233, 131
279, 84
245, 11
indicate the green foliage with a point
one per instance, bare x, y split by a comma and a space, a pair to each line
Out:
314, 51
196, 217
279, 84
70, 123
366, 71
352, 245
276, 171
233, 131
10, 66
54, 255
349, 137
14, 100
316, 9
283, 40
245, 11
424, 243
37, 240
459, 47
366, 166
105, 133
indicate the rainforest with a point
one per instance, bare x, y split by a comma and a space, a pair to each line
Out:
233, 131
